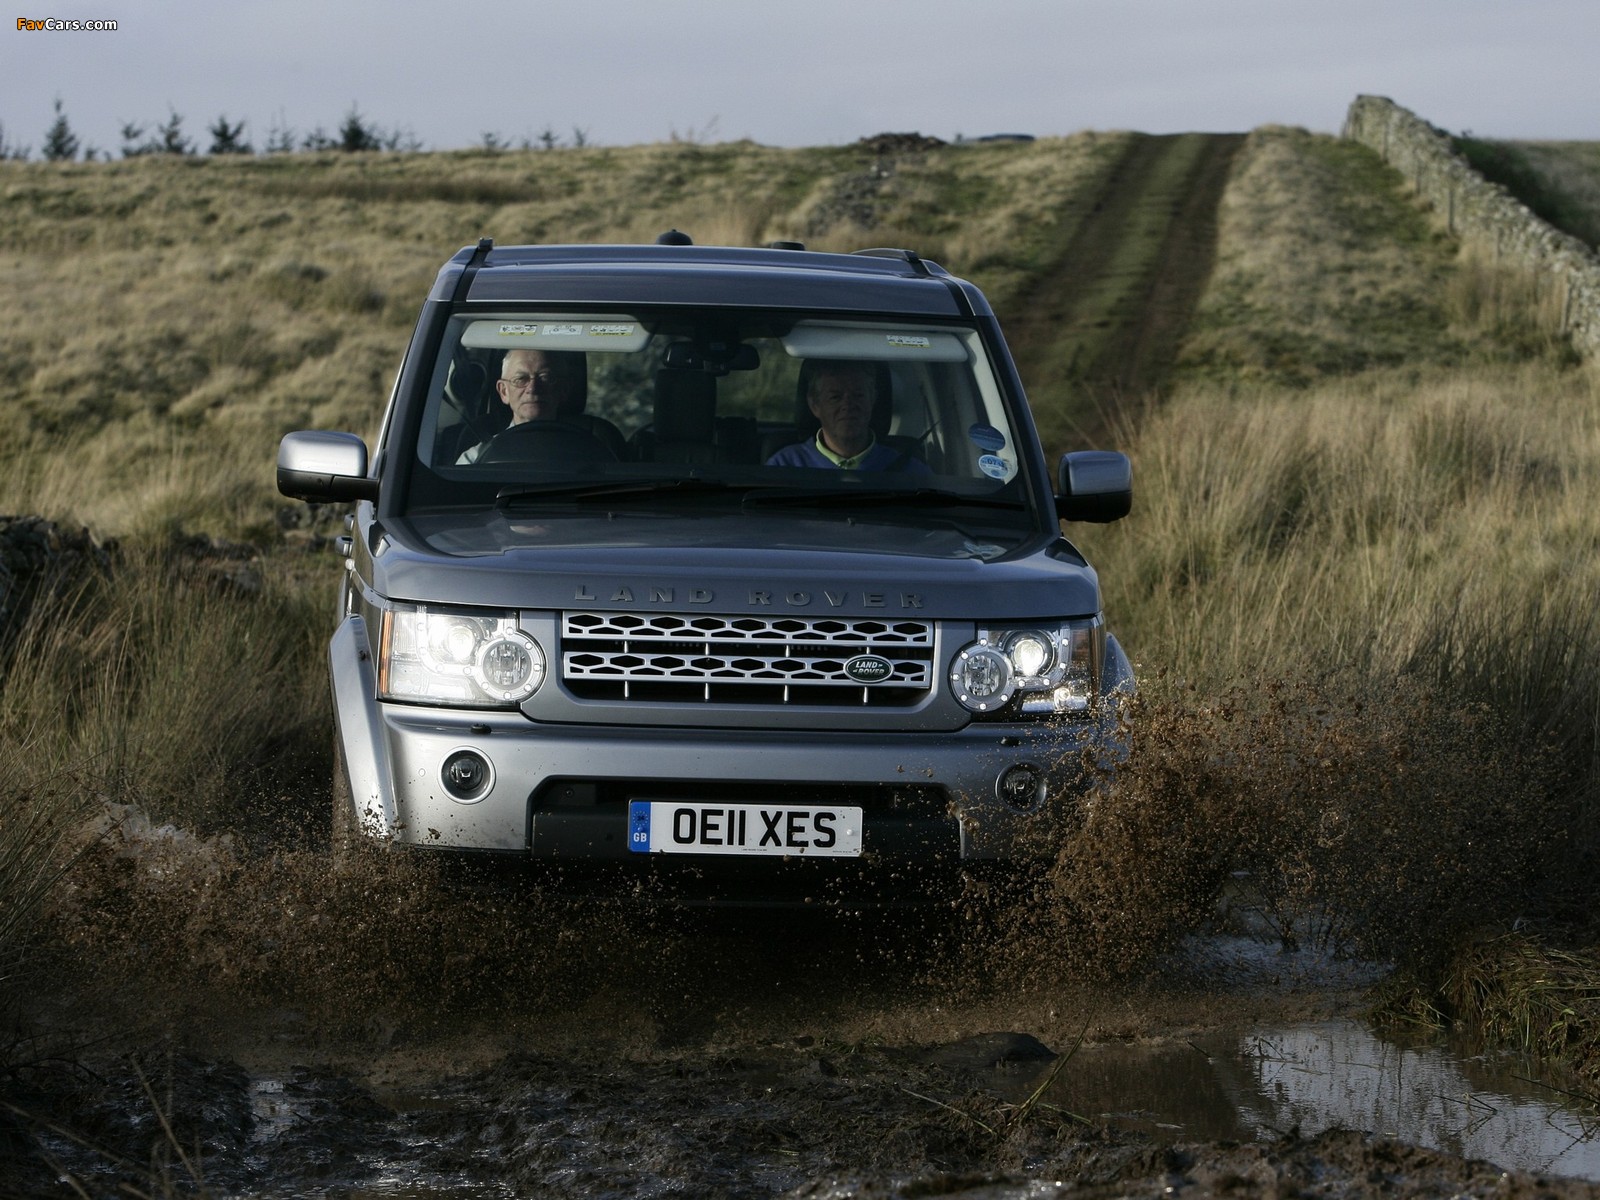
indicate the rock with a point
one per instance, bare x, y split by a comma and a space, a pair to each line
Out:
985, 1051
41, 561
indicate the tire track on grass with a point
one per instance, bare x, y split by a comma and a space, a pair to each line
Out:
1100, 329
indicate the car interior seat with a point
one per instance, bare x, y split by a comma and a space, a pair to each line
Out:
573, 412
465, 419
683, 428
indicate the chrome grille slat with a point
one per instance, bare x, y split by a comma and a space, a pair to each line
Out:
665, 657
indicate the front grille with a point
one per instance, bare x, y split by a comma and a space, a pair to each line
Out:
674, 657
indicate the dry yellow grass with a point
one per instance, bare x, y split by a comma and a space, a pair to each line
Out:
167, 320
1379, 458
1351, 517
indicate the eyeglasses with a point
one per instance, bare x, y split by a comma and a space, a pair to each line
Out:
521, 383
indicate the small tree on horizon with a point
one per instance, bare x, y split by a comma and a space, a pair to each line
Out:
355, 135
168, 138
228, 139
60, 143
133, 143
171, 133
402, 139
280, 137
10, 150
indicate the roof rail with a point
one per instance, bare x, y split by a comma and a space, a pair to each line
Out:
480, 252
906, 256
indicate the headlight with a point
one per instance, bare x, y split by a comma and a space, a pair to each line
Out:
982, 678
1029, 670
442, 657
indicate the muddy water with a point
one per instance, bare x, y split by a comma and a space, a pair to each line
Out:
816, 1084
812, 1119
1261, 1083
272, 1026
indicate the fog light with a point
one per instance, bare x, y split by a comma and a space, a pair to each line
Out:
1021, 786
466, 775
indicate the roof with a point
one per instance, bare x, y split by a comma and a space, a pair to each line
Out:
886, 281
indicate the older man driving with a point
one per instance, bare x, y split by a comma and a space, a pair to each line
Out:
536, 385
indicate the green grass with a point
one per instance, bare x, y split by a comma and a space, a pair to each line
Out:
1559, 181
1325, 268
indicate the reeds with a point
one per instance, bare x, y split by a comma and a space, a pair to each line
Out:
165, 682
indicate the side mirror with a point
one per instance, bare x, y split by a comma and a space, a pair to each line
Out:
1094, 485
322, 466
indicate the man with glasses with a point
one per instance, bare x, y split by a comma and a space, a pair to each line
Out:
536, 385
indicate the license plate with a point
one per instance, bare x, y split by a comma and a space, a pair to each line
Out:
686, 827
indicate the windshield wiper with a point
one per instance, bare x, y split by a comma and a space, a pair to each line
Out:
612, 489
882, 497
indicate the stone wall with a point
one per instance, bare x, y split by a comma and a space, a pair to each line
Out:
1484, 214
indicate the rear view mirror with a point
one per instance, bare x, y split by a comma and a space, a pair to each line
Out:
1094, 485
714, 357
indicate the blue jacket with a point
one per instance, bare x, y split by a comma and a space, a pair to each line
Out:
879, 458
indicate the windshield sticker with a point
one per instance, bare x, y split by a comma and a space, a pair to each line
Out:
987, 437
611, 330
562, 330
518, 330
908, 341
982, 550
995, 467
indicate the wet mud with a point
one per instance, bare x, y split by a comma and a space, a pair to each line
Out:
569, 1049
645, 1088
264, 1015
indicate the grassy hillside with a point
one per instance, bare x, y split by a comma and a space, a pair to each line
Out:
1363, 537
1560, 181
168, 319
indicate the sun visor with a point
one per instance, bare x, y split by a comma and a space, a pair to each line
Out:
819, 339
595, 334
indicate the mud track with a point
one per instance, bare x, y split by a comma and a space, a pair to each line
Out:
1100, 329
277, 1026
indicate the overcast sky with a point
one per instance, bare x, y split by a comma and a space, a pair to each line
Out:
798, 72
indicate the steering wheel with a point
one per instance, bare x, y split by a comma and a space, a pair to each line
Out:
547, 443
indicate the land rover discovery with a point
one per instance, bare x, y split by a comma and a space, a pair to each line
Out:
622, 601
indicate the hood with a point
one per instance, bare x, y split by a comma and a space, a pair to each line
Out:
729, 565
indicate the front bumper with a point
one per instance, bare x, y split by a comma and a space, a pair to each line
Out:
560, 793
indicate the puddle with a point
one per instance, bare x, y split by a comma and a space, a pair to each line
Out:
1331, 1075
780, 1118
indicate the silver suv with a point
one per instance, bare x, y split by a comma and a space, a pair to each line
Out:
736, 573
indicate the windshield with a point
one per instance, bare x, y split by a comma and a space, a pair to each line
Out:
712, 409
